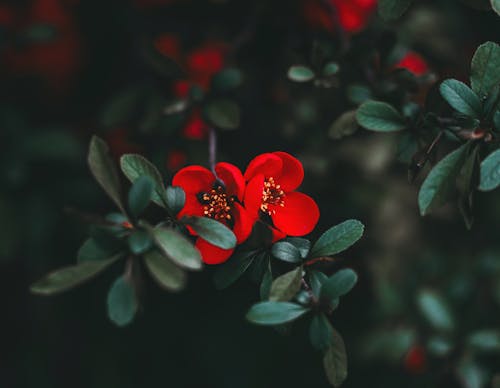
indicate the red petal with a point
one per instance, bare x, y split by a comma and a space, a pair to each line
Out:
253, 195
265, 164
192, 207
243, 223
194, 179
292, 172
210, 254
232, 178
298, 216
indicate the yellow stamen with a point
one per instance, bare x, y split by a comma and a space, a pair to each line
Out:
272, 194
217, 204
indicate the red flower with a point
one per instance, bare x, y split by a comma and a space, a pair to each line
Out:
414, 63
415, 360
175, 160
204, 62
218, 197
169, 46
272, 179
195, 128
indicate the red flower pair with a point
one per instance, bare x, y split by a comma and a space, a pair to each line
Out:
266, 191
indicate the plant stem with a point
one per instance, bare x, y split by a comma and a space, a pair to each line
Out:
212, 148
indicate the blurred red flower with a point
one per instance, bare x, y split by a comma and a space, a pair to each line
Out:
272, 179
414, 63
219, 197
195, 127
415, 360
175, 160
119, 143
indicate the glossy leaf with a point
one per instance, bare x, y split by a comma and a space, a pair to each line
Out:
286, 286
338, 238
122, 302
176, 198
102, 167
227, 79
212, 231
232, 269
265, 285
275, 313
139, 195
286, 251
490, 172
165, 272
485, 64
69, 277
380, 117
135, 166
92, 251
440, 181
139, 242
178, 248
335, 360
224, 114
302, 244
435, 309
495, 4
299, 73
487, 340
316, 280
461, 98
339, 284
320, 332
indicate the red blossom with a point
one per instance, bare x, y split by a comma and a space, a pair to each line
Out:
168, 45
272, 179
195, 127
175, 160
219, 198
119, 143
415, 360
414, 63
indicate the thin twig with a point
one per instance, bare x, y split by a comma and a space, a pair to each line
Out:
212, 148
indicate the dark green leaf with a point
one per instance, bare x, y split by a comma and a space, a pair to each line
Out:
302, 244
91, 250
484, 67
176, 198
316, 280
104, 170
440, 181
212, 231
300, 73
344, 125
139, 242
139, 195
335, 360
467, 186
338, 238
339, 284
435, 309
380, 117
495, 4
461, 98
439, 346
357, 94
178, 248
135, 166
69, 277
232, 269
227, 79
490, 172
286, 286
275, 313
392, 9
121, 302
487, 340
331, 68
267, 281
286, 251
166, 273
224, 114
320, 332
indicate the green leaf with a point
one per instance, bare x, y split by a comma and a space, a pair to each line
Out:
487, 340
232, 269
139, 195
139, 242
178, 248
440, 181
300, 73
316, 280
286, 251
484, 67
92, 251
439, 346
135, 166
212, 231
344, 125
461, 98
227, 79
224, 114
320, 332
335, 360
380, 117
176, 198
267, 281
338, 238
104, 171
467, 185
286, 286
339, 284
331, 68
302, 244
357, 94
166, 273
435, 309
495, 4
392, 9
490, 172
122, 302
69, 277
275, 313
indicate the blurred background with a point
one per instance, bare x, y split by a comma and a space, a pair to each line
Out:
140, 73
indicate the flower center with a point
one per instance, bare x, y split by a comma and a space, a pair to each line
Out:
272, 194
217, 204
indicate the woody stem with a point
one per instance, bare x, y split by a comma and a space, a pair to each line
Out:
212, 148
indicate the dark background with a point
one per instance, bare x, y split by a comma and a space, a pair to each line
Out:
51, 100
